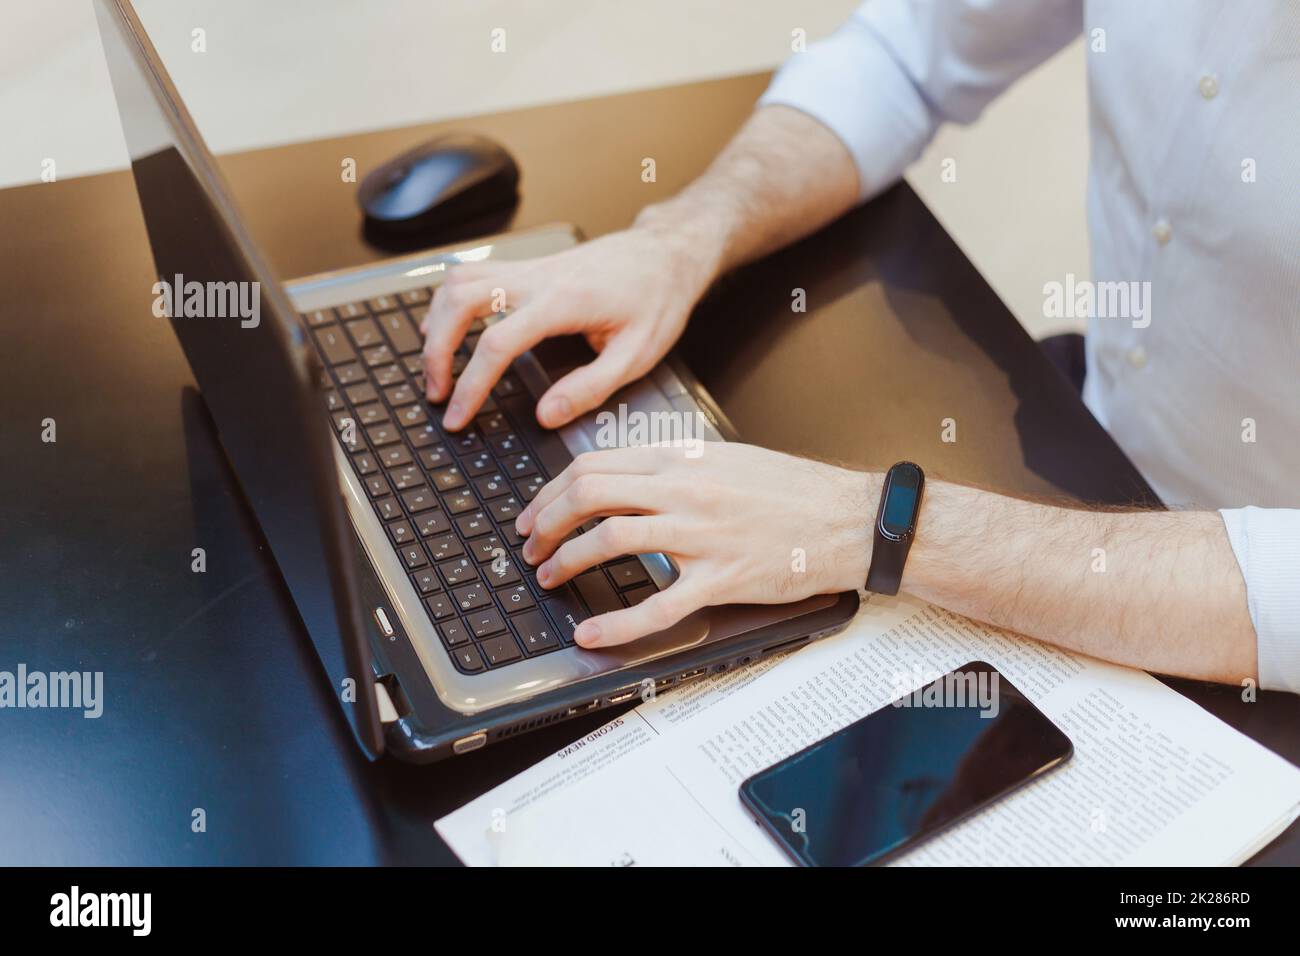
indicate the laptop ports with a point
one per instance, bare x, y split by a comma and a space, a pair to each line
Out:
691, 675
626, 694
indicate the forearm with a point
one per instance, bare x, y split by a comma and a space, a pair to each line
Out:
1157, 590
783, 176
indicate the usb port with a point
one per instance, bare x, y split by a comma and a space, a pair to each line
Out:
691, 675
623, 695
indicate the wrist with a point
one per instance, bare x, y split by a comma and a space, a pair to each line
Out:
857, 495
692, 239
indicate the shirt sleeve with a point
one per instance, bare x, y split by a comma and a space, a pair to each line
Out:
886, 80
1266, 542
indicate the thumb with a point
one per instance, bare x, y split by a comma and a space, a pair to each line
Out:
588, 386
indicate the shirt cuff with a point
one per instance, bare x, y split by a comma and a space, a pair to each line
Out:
853, 85
1266, 542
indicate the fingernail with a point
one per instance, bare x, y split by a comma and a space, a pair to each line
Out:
528, 550
452, 418
524, 523
587, 634
556, 410
544, 575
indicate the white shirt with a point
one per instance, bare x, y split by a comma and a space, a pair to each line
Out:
1193, 186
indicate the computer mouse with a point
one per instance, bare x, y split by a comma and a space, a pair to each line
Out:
439, 185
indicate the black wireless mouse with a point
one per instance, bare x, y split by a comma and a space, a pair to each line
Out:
439, 185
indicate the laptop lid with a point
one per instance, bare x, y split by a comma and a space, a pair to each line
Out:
249, 355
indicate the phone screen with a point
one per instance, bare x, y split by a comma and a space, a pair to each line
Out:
885, 783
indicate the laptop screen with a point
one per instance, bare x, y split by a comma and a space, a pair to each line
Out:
254, 368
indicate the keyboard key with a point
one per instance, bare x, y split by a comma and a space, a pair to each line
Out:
566, 612
444, 546
426, 581
361, 393
453, 633
501, 572
353, 310
628, 574
473, 525
491, 486
318, 318
394, 456
435, 457
507, 444
517, 598
471, 596
334, 346
419, 499
485, 621
388, 509
492, 424
381, 435
413, 555
364, 464
350, 374
466, 443
401, 333
439, 606
598, 592
371, 414
431, 523
507, 386
457, 571
485, 549
412, 415
401, 532
377, 485
519, 466
448, 479
458, 502
414, 296
513, 537
382, 303
500, 650
379, 355
636, 595
505, 510
364, 333
535, 632
479, 464
399, 395
529, 487
407, 477
334, 401
424, 436
468, 658
388, 375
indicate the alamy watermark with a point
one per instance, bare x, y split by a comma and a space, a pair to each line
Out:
1083, 299
72, 690
209, 300
674, 429
976, 689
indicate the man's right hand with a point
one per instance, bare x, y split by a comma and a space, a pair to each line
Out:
629, 293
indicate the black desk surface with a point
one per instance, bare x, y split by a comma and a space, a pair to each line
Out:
214, 699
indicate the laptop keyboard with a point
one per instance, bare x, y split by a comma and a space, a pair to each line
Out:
448, 500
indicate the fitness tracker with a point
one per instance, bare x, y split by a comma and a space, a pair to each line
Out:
900, 504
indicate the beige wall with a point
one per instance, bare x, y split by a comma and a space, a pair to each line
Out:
284, 70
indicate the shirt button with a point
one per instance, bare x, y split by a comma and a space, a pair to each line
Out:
1137, 356
1209, 86
1162, 231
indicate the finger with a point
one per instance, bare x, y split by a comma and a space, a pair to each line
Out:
593, 496
499, 345
587, 387
456, 303
634, 460
656, 613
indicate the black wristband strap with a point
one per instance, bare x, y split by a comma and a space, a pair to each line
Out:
896, 517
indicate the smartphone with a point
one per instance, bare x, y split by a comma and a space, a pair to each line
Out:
885, 783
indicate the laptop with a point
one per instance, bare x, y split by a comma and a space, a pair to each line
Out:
395, 537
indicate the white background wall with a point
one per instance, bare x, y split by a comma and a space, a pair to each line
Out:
1016, 209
